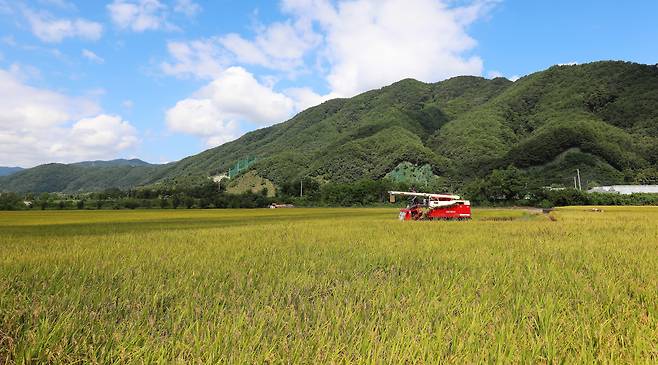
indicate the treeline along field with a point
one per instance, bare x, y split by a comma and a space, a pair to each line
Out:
328, 286
504, 187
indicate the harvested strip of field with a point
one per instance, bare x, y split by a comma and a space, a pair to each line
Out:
326, 286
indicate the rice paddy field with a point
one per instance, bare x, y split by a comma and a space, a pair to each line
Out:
328, 286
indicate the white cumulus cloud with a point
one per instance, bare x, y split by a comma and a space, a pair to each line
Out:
216, 111
281, 45
358, 45
202, 118
187, 7
238, 93
199, 59
53, 30
372, 43
104, 132
139, 15
39, 125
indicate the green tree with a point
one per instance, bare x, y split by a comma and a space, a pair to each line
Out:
506, 185
502, 185
648, 176
131, 203
10, 201
188, 201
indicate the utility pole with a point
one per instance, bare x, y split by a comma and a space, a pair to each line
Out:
580, 185
301, 188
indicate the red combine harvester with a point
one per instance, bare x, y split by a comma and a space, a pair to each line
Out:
424, 206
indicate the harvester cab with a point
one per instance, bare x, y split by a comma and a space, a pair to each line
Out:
427, 206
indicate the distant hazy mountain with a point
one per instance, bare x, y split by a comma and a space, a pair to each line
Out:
6, 171
81, 176
600, 118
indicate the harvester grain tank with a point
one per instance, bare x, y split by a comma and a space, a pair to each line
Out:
429, 206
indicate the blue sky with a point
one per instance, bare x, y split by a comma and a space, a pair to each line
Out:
164, 79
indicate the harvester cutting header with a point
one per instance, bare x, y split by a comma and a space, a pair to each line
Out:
426, 206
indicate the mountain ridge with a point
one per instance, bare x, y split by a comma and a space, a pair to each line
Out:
600, 117
116, 162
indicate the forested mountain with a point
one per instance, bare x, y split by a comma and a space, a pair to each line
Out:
77, 178
113, 163
601, 118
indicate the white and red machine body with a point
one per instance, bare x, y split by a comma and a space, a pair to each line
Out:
426, 206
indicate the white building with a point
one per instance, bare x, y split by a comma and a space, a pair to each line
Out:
625, 189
